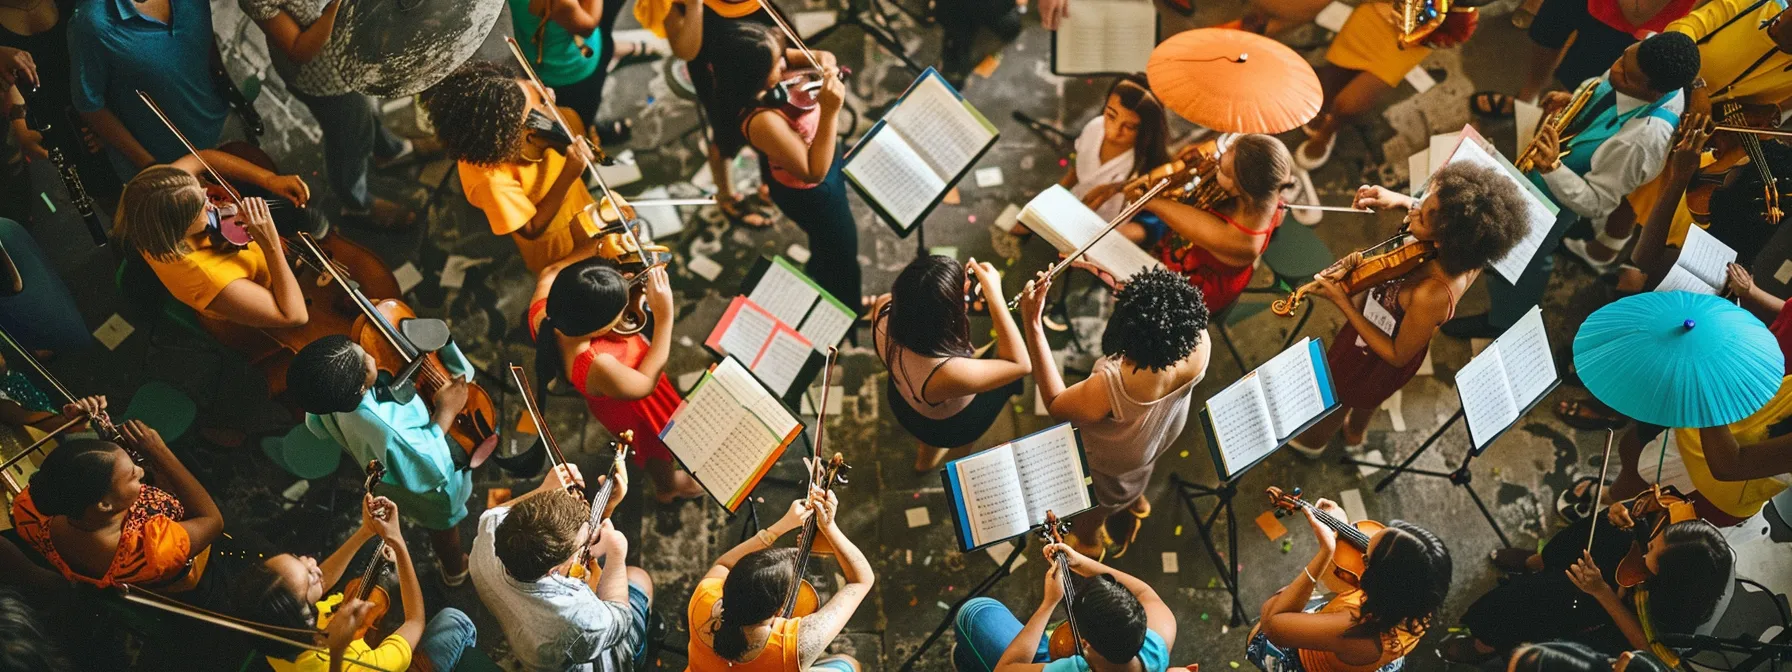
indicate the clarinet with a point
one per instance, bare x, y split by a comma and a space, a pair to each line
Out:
71, 175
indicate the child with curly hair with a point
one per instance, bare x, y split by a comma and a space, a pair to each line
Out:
1475, 216
1134, 404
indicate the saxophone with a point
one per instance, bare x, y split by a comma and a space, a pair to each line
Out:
1527, 159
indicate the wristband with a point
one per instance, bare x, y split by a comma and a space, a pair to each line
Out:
766, 537
1309, 574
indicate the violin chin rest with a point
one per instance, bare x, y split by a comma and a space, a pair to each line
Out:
428, 334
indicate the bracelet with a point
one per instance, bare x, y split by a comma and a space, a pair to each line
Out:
1309, 574
765, 537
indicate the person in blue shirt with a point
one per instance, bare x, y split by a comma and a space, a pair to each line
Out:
345, 399
1121, 620
163, 47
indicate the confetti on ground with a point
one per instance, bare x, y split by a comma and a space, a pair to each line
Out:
912, 600
952, 197
1271, 525
1203, 615
918, 516
1213, 581
797, 253
407, 276
987, 68
1185, 453
1287, 545
1233, 663
943, 605
1178, 530
705, 267
1171, 564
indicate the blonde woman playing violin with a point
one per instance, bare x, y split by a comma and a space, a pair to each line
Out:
1475, 216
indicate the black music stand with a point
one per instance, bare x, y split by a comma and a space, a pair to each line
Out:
869, 17
1226, 564
1461, 477
989, 582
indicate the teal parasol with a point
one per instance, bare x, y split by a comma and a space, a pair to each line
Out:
1678, 359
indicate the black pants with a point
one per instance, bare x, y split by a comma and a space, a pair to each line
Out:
587, 95
1595, 49
823, 212
1547, 606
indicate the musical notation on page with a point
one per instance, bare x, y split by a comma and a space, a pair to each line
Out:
1259, 413
784, 293
1004, 491
1508, 377
728, 431
1702, 266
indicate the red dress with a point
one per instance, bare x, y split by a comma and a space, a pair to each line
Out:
1363, 378
1219, 283
646, 416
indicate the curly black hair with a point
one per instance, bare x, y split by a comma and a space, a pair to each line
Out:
1480, 216
1669, 60
1158, 319
477, 112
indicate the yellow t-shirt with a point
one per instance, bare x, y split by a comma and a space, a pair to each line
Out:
1733, 49
508, 192
393, 654
1741, 499
197, 278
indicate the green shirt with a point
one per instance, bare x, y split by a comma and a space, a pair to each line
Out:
558, 62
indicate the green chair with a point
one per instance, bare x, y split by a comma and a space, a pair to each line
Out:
302, 454
1294, 255
138, 284
165, 409
474, 660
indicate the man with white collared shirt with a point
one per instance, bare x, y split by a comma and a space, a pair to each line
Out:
1617, 142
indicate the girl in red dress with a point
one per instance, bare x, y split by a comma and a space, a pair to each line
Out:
1217, 248
572, 318
1475, 215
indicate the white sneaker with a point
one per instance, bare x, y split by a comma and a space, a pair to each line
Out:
1309, 453
1306, 195
1578, 248
1305, 163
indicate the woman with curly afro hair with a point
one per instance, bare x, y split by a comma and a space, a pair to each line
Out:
1475, 216
513, 164
1134, 403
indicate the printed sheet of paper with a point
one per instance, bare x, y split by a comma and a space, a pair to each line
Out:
1105, 36
745, 329
1540, 214
784, 293
1679, 279
782, 359
1486, 396
721, 432
1062, 220
1706, 257
1291, 389
827, 323
1241, 424
1051, 473
989, 487
890, 171
940, 127
1529, 365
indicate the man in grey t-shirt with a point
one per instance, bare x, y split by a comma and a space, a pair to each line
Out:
520, 562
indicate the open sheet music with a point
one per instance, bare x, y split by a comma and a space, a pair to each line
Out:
1502, 382
729, 431
1540, 211
1702, 267
773, 351
1061, 219
1105, 37
1002, 492
1255, 416
907, 161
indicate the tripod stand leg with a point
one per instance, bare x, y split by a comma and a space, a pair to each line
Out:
1404, 464
1504, 542
1232, 567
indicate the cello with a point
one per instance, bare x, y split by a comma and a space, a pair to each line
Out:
1349, 560
1066, 640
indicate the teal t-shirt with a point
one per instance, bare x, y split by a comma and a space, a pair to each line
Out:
560, 61
1154, 654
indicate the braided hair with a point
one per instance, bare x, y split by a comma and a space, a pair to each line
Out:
1405, 580
326, 376
155, 210
585, 297
753, 592
477, 111
74, 477
1158, 319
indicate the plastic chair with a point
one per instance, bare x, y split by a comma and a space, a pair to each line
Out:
165, 409
302, 453
137, 283
1294, 255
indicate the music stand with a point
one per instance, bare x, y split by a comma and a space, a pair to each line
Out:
1226, 564
1461, 477
869, 17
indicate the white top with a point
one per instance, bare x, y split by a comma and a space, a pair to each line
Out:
553, 623
1629, 159
1091, 172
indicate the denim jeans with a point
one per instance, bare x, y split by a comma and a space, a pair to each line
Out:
448, 634
985, 628
353, 133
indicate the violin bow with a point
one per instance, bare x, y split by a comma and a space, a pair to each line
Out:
161, 602
1327, 208
795, 39
821, 413
553, 108
541, 423
1131, 209
1772, 133
1599, 486
102, 421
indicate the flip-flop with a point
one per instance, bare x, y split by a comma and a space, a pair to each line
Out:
1575, 506
1570, 412
1491, 104
744, 209
644, 52
1102, 543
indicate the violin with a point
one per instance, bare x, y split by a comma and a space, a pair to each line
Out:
799, 87
619, 242
1380, 263
366, 586
1651, 513
600, 503
1066, 639
1348, 561
802, 599
556, 458
1191, 174
1734, 150
102, 423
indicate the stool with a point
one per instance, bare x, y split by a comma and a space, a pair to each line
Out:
302, 454
163, 408
1293, 256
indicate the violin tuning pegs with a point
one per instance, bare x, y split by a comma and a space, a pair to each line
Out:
1295, 492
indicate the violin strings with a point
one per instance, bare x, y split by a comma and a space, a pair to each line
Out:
157, 109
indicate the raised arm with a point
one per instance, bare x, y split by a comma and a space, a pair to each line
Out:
300, 44
1083, 402
820, 628
611, 377
409, 589
1652, 253
793, 518
684, 28
1730, 461
966, 375
334, 566
1284, 619
1204, 229
245, 301
809, 161
204, 521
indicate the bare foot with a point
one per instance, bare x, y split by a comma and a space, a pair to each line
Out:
928, 458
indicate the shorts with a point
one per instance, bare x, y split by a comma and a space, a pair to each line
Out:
637, 625
1596, 48
831, 665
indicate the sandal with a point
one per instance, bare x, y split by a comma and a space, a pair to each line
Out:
1576, 503
1589, 415
748, 211
1491, 104
1127, 529
1512, 560
1098, 551
639, 51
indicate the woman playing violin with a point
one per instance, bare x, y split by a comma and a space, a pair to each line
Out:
1364, 628
1474, 216
165, 216
287, 591
516, 164
1217, 248
89, 514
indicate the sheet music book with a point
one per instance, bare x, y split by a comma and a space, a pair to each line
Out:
1499, 385
1002, 492
776, 353
1105, 37
729, 431
1541, 211
1702, 267
1060, 218
778, 286
1258, 414
909, 159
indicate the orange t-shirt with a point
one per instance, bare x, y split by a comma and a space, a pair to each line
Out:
152, 550
508, 192
198, 277
779, 654
1394, 645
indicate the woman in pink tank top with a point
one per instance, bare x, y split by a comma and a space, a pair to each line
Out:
572, 318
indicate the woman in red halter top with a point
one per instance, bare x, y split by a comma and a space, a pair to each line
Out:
1216, 248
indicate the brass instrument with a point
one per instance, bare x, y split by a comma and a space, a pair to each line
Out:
1418, 19
618, 242
1527, 159
1381, 262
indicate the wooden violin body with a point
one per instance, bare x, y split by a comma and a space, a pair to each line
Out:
475, 427
1655, 509
1192, 175
1065, 640
1350, 558
366, 586
1737, 151
1386, 261
617, 242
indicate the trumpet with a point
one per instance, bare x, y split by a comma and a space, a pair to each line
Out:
1527, 159
1418, 19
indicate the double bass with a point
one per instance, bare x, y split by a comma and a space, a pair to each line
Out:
1349, 560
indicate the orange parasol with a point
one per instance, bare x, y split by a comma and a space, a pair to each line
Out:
1233, 81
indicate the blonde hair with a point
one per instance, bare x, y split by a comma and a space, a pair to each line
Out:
155, 210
